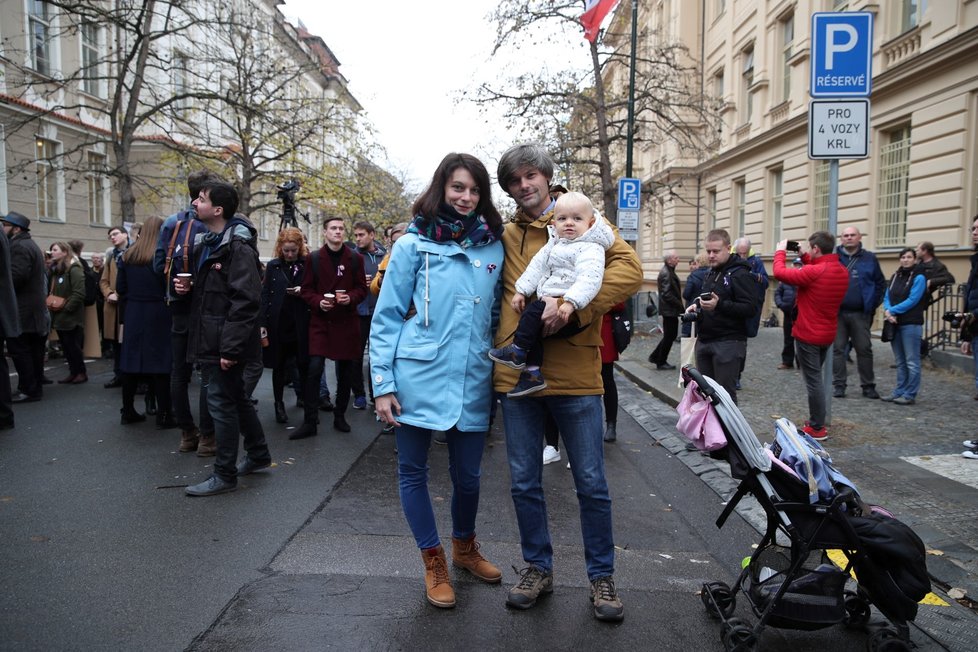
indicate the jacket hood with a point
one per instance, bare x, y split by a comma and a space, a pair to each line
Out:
239, 227
599, 232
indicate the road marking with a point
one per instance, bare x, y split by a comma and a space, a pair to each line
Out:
839, 559
952, 467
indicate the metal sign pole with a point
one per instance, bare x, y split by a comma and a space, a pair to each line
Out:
832, 228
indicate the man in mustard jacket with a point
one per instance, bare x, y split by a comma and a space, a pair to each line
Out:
572, 396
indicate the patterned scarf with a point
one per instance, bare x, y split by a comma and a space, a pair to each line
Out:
449, 225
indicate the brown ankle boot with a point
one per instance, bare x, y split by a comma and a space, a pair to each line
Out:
207, 446
189, 440
437, 584
465, 554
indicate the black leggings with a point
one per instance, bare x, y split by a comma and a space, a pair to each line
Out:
158, 384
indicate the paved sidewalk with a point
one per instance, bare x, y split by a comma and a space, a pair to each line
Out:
904, 458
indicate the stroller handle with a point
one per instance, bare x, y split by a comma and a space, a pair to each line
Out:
702, 385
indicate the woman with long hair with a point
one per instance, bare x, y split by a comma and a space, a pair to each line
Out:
68, 282
145, 319
903, 305
429, 341
285, 317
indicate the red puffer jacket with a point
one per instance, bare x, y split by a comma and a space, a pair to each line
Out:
821, 283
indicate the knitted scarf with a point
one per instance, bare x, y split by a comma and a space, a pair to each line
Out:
467, 230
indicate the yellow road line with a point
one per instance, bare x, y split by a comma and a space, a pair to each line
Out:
839, 559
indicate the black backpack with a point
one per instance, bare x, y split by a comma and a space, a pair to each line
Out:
91, 284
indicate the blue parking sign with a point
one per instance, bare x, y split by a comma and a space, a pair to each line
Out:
629, 194
842, 54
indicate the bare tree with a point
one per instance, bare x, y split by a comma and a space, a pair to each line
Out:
125, 76
580, 110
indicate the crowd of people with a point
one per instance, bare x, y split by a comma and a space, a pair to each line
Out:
452, 333
829, 297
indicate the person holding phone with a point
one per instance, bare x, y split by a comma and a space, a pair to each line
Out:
821, 285
285, 317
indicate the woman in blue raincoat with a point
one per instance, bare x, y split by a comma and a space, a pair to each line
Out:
431, 331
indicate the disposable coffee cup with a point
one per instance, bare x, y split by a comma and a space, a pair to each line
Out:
329, 295
341, 292
185, 275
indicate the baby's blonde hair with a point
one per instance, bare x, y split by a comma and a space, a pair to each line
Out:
575, 199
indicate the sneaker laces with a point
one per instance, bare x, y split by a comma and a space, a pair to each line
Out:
528, 577
604, 588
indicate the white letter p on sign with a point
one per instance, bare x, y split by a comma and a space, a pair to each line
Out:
832, 46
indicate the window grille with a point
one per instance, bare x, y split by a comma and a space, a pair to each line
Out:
894, 171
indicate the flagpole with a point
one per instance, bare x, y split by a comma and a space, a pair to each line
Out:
631, 92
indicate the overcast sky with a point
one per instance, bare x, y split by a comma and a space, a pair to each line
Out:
407, 61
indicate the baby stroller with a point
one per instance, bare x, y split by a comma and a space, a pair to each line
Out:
789, 581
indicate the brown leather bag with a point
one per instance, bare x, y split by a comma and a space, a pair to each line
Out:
54, 303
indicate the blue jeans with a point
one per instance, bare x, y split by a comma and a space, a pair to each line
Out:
464, 468
579, 422
233, 415
906, 350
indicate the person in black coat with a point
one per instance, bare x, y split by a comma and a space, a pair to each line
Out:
670, 307
785, 298
9, 327
285, 317
28, 272
698, 268
146, 353
721, 345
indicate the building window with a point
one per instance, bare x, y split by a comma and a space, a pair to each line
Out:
787, 40
820, 200
711, 209
180, 80
39, 23
48, 207
910, 12
747, 80
263, 227
97, 186
740, 208
720, 6
840, 5
777, 203
91, 69
894, 174
718, 87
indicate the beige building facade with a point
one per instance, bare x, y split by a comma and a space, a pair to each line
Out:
919, 182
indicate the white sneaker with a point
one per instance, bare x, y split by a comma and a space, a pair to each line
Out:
971, 455
970, 443
568, 465
550, 454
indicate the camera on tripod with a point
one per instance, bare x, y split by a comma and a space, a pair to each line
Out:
286, 194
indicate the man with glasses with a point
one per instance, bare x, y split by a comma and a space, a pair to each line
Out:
110, 309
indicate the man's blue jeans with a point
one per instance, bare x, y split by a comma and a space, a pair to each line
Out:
233, 413
579, 422
464, 467
906, 351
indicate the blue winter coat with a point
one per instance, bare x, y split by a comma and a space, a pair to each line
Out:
436, 361
866, 281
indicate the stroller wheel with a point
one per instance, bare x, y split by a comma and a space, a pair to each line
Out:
738, 636
857, 610
718, 599
887, 640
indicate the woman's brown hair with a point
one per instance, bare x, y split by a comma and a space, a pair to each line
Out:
143, 251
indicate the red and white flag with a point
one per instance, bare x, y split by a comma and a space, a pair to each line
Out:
595, 12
